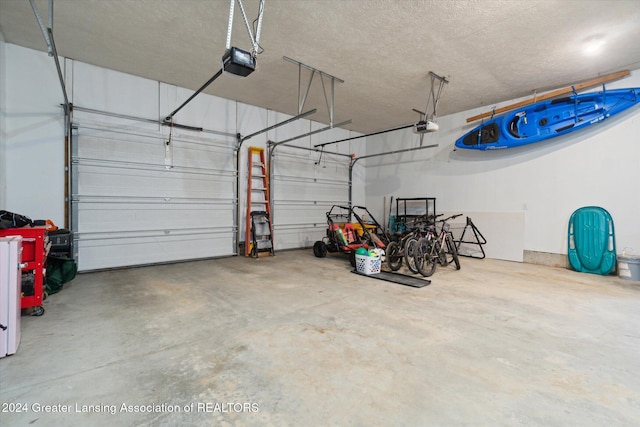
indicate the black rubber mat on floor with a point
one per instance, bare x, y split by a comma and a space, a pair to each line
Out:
401, 279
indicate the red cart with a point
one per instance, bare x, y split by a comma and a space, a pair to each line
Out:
35, 247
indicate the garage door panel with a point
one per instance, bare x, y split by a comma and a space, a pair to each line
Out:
114, 181
307, 169
136, 200
204, 156
296, 236
136, 150
100, 252
289, 215
305, 187
131, 217
102, 146
306, 192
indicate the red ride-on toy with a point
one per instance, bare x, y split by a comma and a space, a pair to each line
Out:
371, 231
341, 235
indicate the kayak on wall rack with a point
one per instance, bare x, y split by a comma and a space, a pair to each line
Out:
548, 119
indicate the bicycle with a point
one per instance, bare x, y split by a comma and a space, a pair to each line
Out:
405, 247
436, 249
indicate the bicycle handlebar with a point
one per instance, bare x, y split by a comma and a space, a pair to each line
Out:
451, 217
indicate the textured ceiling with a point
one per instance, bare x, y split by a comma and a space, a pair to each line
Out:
489, 50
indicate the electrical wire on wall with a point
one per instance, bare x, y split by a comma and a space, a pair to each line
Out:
168, 148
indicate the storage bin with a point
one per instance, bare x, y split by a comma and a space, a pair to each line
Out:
368, 264
629, 267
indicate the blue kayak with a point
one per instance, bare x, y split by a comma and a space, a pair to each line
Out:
548, 119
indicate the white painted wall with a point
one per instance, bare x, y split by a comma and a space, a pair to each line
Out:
534, 189
34, 129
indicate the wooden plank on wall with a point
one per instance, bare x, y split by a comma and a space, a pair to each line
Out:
579, 86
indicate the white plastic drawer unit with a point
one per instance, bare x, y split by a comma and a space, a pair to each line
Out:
10, 284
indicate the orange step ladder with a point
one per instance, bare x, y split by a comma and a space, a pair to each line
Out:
258, 229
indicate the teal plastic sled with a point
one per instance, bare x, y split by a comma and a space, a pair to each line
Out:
592, 243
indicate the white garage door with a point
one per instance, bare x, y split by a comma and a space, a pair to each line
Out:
137, 200
305, 186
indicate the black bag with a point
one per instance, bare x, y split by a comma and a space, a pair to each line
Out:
13, 220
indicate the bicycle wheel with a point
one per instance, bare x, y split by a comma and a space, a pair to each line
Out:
442, 255
394, 256
418, 254
452, 252
409, 254
425, 263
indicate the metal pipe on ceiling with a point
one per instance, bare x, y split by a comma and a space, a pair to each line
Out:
364, 136
203, 87
404, 150
292, 119
346, 122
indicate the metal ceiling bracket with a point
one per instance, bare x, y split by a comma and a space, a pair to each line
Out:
429, 118
255, 41
42, 27
302, 98
434, 96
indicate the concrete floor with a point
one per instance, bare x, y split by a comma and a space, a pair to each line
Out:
296, 340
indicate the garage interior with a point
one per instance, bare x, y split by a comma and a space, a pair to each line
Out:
168, 322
